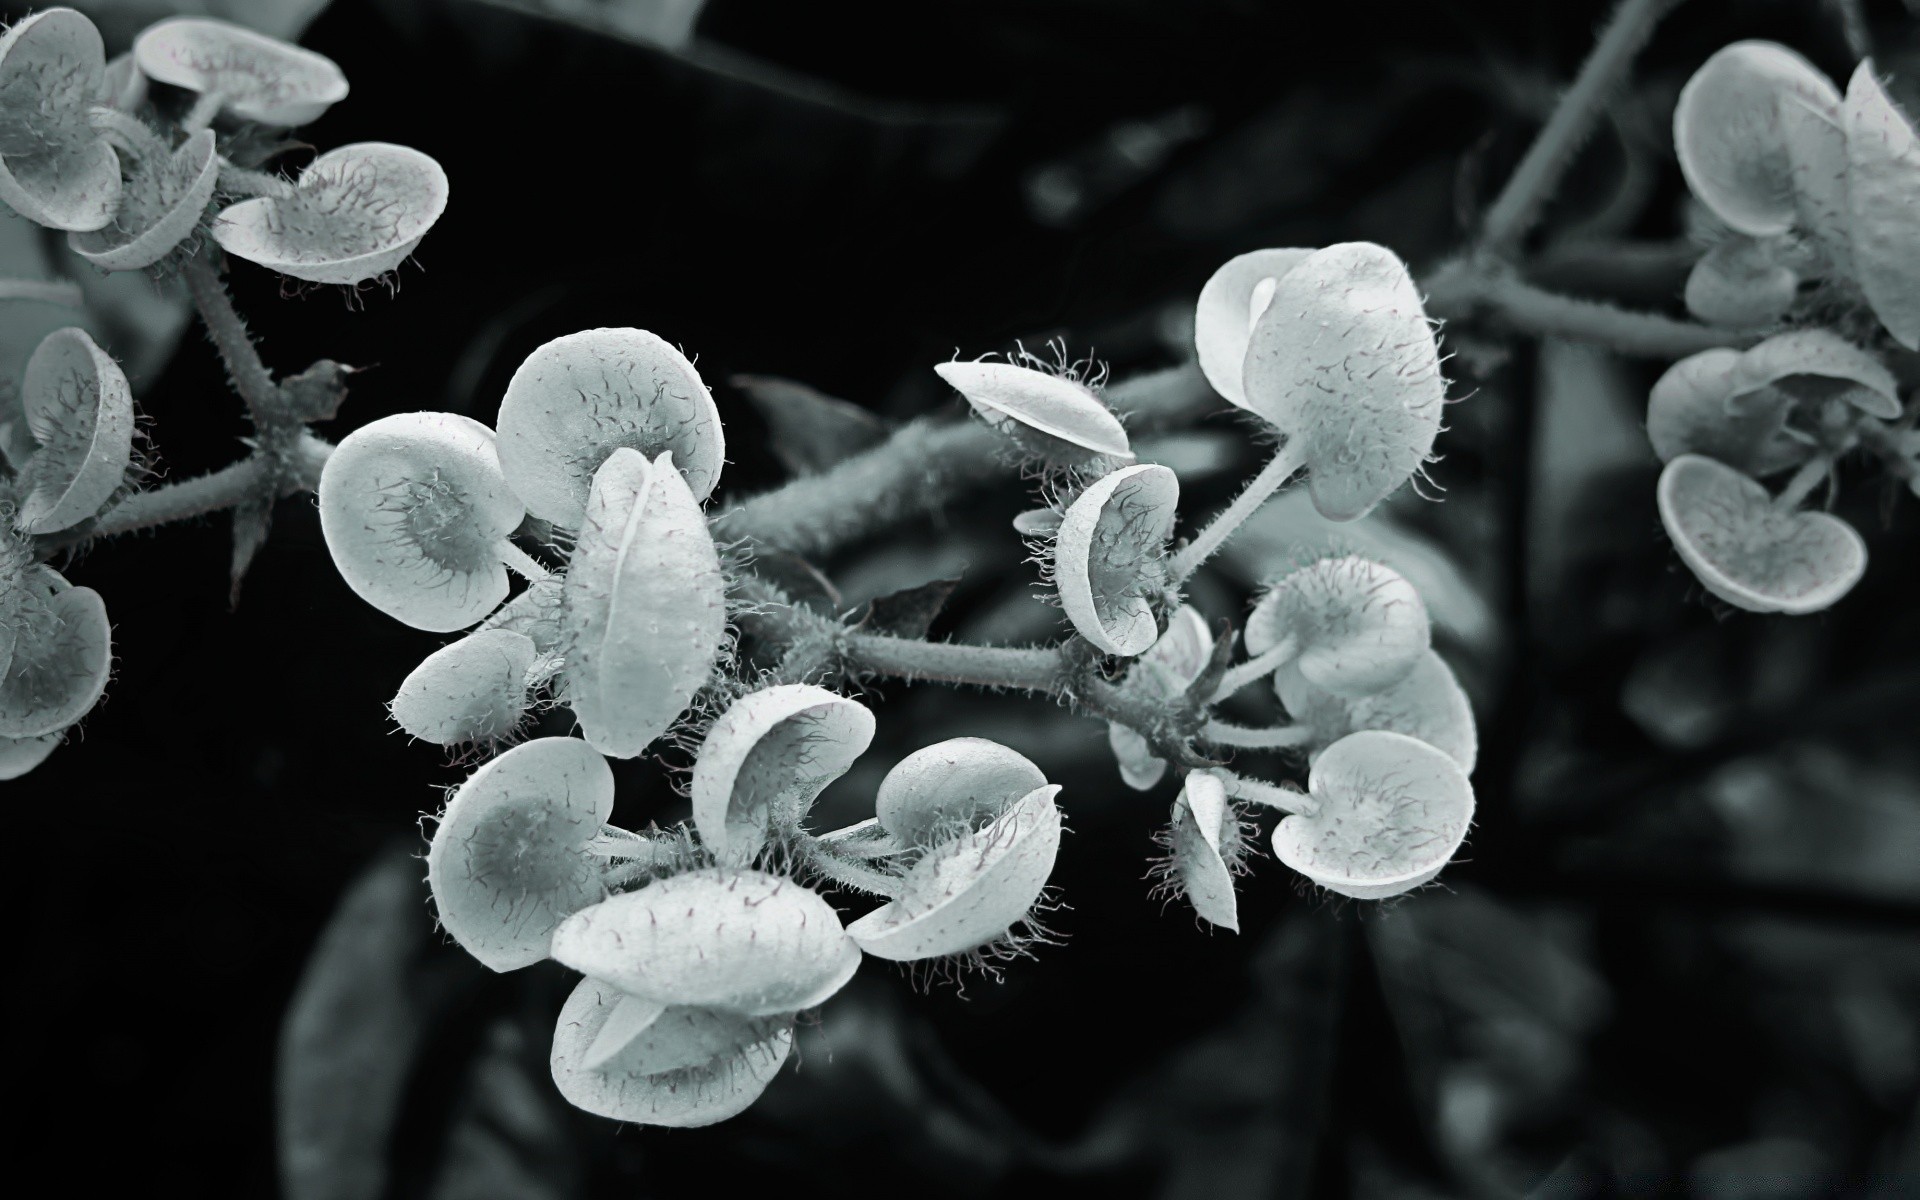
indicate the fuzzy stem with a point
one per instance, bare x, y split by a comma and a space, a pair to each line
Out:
63, 292
1272, 795
849, 872
522, 564
128, 133
1285, 461
1028, 669
1516, 210
1278, 737
205, 108
241, 182
1459, 288
1810, 475
229, 333
1255, 669
922, 468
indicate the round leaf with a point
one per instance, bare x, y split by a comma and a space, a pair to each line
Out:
766, 758
953, 787
1737, 284
352, 216
257, 78
1883, 180
1688, 413
1728, 132
1748, 552
80, 410
1391, 810
1106, 556
1205, 828
55, 169
160, 204
1355, 625
62, 655
472, 691
1428, 704
1060, 419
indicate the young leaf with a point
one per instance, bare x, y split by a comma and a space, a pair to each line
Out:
809, 430
578, 398
1106, 556
80, 410
257, 78
1747, 551
1883, 188
1390, 811
646, 610
766, 758
470, 691
909, 612
1060, 419
1205, 835
1355, 626
161, 202
1428, 704
509, 859
1232, 301
1689, 411
353, 215
743, 941
55, 168
1728, 132
1344, 363
1164, 670
62, 655
952, 788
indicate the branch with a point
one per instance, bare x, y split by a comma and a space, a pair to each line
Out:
1516, 210
1459, 289
229, 334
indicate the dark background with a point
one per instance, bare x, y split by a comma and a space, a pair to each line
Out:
1680, 956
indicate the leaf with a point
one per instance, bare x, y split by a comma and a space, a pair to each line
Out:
510, 1132
251, 523
909, 612
809, 430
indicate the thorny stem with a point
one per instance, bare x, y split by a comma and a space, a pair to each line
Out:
523, 564
1516, 210
1278, 737
1810, 476
229, 333
1459, 288
1285, 461
1255, 669
1272, 795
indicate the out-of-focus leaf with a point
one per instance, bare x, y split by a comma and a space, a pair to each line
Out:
1064, 192
251, 523
664, 23
1689, 690
510, 1132
799, 579
120, 20
1588, 422
809, 430
909, 612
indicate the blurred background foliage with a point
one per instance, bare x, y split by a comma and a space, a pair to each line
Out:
1680, 958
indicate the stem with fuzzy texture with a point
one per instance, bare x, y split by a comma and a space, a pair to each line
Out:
1279, 737
1280, 468
1272, 795
1459, 288
1516, 210
849, 872
1255, 669
229, 333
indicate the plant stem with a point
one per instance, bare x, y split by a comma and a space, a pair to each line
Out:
1255, 669
523, 564
1516, 210
922, 468
1279, 737
242, 182
63, 292
204, 110
1285, 461
850, 872
1272, 795
229, 334
1458, 289
1810, 476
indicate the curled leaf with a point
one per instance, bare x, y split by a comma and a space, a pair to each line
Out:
1747, 551
1883, 180
353, 215
471, 691
509, 859
952, 788
1728, 132
765, 760
1689, 412
62, 655
1428, 704
1231, 302
417, 515
1354, 625
55, 168
80, 410
1812, 364
578, 398
1345, 364
160, 203
257, 78
645, 601
1106, 556
1164, 670
697, 1093
1390, 811
1737, 284
970, 891
1058, 418
1205, 838
743, 941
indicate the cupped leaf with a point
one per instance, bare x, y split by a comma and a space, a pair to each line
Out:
679, 1038
1344, 363
952, 788
1205, 837
161, 202
509, 859
646, 610
417, 515
739, 940
578, 398
1689, 411
1164, 671
1231, 302
1737, 284
1728, 132
1813, 364
968, 892
723, 1086
1883, 182
55, 168
765, 760
18, 756
1355, 626
1390, 811
80, 410
1749, 552
472, 691
354, 214
1428, 704
1057, 418
257, 78
1106, 556
62, 655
